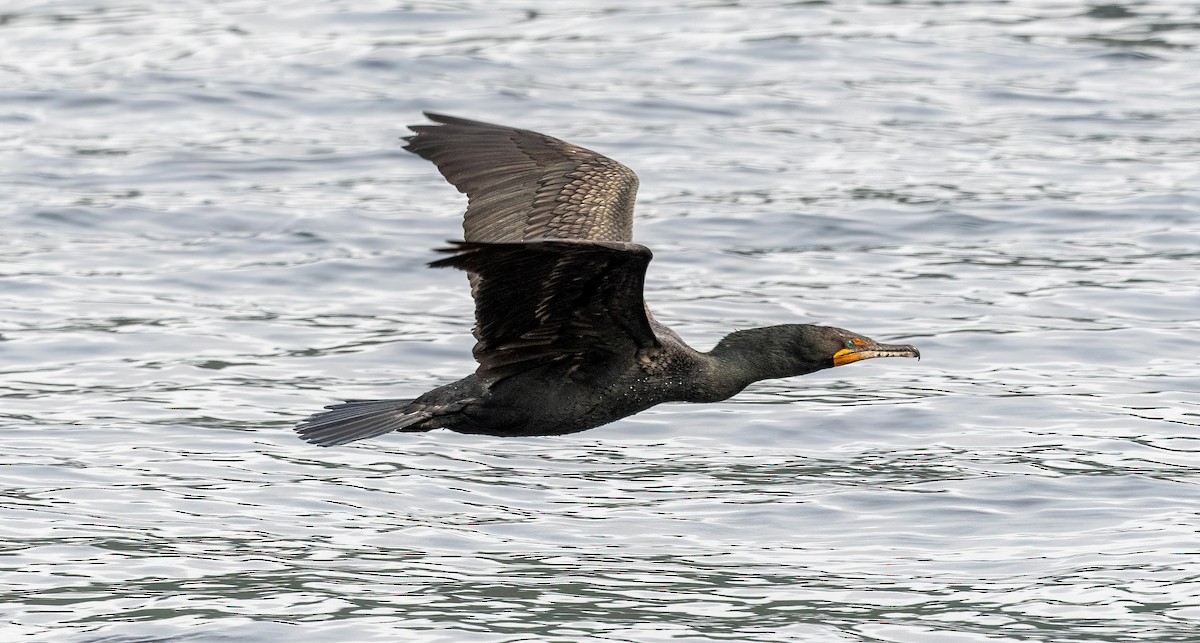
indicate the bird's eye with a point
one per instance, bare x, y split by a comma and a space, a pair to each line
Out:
851, 344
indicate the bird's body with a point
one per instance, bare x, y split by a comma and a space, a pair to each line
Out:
565, 341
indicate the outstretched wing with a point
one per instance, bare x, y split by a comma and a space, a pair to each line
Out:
542, 302
523, 185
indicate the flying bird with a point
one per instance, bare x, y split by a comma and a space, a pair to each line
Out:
565, 341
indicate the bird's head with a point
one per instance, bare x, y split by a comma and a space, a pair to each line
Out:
838, 347
798, 349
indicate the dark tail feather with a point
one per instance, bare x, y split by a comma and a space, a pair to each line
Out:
358, 420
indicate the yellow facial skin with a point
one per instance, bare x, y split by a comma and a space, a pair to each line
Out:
858, 349
845, 356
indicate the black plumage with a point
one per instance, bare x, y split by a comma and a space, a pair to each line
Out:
570, 303
564, 340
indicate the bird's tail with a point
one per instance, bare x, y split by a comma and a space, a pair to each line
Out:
360, 419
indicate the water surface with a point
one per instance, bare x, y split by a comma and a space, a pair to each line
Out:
211, 232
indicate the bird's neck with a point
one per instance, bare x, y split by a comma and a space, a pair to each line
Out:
747, 356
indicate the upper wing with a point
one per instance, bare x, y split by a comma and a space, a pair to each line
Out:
523, 185
541, 302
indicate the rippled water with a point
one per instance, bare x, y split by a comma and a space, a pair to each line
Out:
211, 231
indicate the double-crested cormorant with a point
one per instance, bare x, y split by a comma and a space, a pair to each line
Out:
565, 342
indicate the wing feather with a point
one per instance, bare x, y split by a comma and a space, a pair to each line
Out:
575, 303
522, 185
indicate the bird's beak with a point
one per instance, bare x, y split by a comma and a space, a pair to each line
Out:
868, 351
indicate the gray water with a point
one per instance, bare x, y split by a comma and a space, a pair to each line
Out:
210, 231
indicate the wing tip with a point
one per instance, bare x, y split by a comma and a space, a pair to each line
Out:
456, 250
461, 251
